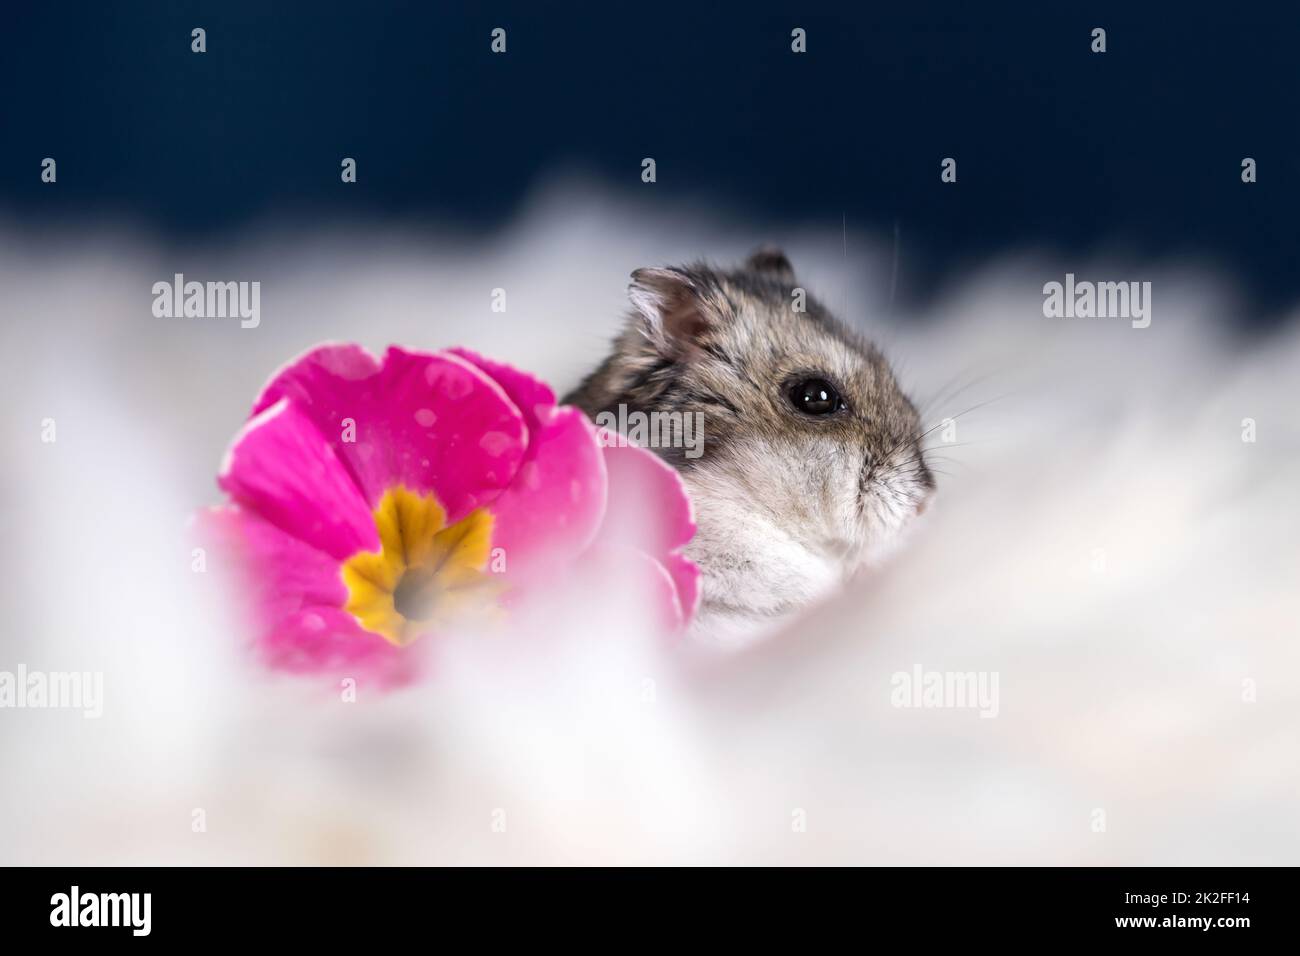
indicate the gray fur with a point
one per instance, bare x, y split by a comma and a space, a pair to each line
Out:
787, 505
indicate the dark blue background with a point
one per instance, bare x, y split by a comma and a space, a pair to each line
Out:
1137, 150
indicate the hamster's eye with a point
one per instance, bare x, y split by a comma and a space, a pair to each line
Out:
816, 396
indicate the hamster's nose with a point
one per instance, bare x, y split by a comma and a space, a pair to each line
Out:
923, 504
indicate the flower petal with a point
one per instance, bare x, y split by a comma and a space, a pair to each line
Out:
532, 396
294, 600
280, 571
281, 468
634, 579
648, 505
685, 575
329, 640
428, 421
553, 509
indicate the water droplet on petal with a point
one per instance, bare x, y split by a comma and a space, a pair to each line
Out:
453, 383
494, 443
531, 476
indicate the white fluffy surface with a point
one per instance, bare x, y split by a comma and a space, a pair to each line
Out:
1103, 540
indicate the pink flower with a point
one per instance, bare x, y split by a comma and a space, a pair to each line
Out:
375, 502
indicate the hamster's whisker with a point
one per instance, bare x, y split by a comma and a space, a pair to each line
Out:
958, 387
953, 389
975, 407
930, 451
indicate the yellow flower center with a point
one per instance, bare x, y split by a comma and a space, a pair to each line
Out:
426, 573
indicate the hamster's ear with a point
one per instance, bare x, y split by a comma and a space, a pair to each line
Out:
770, 261
675, 314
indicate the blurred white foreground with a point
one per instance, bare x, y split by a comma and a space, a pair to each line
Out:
1103, 540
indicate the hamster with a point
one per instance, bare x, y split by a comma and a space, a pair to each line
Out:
811, 461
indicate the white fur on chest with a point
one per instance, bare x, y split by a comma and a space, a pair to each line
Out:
755, 573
